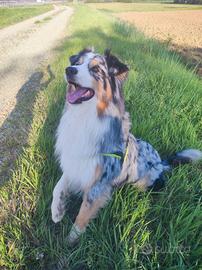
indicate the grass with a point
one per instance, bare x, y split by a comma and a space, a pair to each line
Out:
13, 15
38, 22
136, 230
141, 7
48, 18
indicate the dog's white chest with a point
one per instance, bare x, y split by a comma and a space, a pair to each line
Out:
78, 136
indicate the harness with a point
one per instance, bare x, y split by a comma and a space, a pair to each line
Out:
120, 155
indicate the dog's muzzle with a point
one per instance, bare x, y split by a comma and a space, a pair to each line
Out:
71, 72
76, 93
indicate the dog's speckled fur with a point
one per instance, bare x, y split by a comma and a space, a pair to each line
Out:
94, 127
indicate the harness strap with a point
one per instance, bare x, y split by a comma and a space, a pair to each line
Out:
114, 155
118, 155
126, 154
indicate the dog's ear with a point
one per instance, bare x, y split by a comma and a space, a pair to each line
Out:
115, 67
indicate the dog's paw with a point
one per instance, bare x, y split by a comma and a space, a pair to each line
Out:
74, 235
58, 211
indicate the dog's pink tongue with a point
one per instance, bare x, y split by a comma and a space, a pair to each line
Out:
74, 96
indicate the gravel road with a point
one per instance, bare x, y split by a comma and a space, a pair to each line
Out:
25, 50
23, 47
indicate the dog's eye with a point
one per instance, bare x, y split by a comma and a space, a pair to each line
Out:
95, 69
79, 61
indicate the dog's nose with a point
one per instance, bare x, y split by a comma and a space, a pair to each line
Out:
71, 71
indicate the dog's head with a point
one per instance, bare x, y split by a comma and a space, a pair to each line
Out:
93, 75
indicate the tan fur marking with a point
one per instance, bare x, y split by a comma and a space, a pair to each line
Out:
98, 172
95, 178
142, 184
101, 107
104, 97
108, 91
102, 102
93, 63
88, 211
122, 76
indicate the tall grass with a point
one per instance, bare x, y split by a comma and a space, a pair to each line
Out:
136, 230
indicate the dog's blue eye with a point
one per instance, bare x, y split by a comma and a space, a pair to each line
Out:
77, 64
95, 69
78, 61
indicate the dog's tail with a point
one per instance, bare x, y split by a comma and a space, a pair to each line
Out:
180, 158
185, 156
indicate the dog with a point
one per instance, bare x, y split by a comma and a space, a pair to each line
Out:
94, 146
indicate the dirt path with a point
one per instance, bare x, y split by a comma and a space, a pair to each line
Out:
25, 49
182, 29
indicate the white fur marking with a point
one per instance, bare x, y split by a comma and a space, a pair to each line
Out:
193, 154
83, 76
78, 136
74, 234
59, 191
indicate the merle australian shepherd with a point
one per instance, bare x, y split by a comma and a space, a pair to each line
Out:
94, 146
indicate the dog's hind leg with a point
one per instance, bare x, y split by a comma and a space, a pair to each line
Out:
149, 167
148, 183
60, 193
87, 211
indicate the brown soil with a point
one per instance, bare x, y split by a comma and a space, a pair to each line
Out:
181, 29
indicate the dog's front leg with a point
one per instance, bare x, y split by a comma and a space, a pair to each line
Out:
88, 210
60, 193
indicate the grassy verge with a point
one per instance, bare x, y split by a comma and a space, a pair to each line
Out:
135, 231
141, 7
44, 20
13, 15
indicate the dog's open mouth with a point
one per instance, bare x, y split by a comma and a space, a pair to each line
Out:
77, 94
